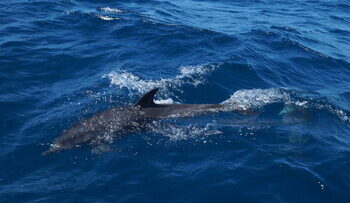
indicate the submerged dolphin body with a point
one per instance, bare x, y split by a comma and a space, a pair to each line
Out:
121, 120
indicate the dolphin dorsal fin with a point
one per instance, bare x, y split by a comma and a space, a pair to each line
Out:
147, 99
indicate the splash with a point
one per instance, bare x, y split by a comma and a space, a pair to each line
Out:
107, 18
111, 10
256, 98
165, 101
182, 132
336, 111
190, 75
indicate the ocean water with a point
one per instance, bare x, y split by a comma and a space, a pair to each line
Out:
63, 60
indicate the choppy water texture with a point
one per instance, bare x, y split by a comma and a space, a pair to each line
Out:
64, 60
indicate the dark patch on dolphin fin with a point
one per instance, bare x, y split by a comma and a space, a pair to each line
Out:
147, 100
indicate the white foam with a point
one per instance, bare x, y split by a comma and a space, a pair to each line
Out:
183, 132
338, 112
255, 98
258, 98
301, 103
193, 75
342, 115
164, 101
107, 18
111, 10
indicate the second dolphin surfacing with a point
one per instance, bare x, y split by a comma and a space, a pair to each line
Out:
120, 120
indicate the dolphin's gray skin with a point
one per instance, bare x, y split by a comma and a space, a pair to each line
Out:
121, 120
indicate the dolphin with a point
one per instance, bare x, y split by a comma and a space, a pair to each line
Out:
121, 120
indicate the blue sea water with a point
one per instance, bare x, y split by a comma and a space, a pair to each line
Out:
63, 60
